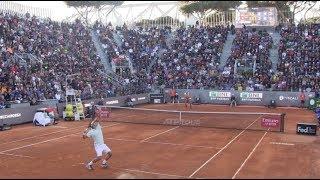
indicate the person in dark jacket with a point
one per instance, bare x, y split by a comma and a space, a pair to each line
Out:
233, 101
129, 102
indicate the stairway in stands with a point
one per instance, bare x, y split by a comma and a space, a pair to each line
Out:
103, 56
105, 59
226, 50
169, 39
118, 41
274, 55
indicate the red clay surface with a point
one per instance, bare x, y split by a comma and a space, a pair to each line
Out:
158, 151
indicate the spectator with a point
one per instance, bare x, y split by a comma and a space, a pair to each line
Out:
302, 98
188, 57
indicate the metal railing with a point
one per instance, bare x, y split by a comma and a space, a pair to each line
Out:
15, 8
221, 18
173, 17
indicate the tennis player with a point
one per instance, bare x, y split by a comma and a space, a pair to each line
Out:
94, 131
187, 100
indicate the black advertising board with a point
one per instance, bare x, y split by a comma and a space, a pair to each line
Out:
307, 128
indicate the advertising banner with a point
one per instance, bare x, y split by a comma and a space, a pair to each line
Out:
112, 102
11, 116
103, 112
251, 96
270, 122
288, 98
314, 103
220, 95
255, 98
307, 129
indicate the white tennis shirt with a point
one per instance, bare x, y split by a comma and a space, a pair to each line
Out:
96, 135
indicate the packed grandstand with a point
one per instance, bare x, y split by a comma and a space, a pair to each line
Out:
184, 57
239, 84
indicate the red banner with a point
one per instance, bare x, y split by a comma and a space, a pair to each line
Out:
103, 113
270, 122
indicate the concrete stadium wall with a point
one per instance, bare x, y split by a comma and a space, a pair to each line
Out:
25, 113
18, 115
256, 98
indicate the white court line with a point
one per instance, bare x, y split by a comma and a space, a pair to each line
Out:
16, 128
36, 143
155, 142
135, 170
41, 135
244, 162
15, 155
148, 172
160, 133
130, 140
280, 143
58, 126
44, 134
47, 140
223, 148
78, 164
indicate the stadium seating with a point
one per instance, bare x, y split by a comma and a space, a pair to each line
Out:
299, 52
249, 46
59, 48
184, 58
193, 59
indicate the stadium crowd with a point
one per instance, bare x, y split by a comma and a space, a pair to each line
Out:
60, 49
139, 45
250, 55
299, 57
191, 60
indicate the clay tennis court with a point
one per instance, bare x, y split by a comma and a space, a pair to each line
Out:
159, 151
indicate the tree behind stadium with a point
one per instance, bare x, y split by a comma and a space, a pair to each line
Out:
203, 8
86, 9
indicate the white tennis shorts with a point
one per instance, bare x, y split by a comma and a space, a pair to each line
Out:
100, 148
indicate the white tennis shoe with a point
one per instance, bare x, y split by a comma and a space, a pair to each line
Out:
105, 165
90, 167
